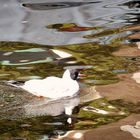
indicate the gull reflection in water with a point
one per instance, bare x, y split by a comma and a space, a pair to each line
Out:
45, 106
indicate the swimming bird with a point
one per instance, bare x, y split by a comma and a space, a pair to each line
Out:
54, 87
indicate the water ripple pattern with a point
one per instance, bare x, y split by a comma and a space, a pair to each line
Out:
20, 23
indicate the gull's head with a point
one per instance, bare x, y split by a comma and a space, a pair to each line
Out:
71, 74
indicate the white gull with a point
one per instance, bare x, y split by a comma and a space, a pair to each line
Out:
54, 87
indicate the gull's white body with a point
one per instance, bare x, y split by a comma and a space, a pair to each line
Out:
53, 87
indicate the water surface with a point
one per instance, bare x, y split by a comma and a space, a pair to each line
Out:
84, 34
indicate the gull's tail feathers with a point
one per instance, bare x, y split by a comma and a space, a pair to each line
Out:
17, 84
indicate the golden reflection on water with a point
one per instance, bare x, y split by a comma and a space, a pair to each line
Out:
41, 61
23, 61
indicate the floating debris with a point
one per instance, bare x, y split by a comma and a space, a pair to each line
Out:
70, 27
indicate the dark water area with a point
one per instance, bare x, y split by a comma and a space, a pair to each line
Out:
43, 38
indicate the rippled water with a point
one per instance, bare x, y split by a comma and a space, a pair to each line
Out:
42, 38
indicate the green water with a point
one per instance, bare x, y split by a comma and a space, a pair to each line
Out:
90, 39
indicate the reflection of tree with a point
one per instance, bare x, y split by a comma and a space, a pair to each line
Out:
133, 37
134, 16
98, 56
132, 4
10, 46
27, 128
120, 34
42, 70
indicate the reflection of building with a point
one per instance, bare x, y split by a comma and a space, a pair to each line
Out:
29, 56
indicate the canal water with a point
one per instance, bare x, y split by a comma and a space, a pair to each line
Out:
43, 38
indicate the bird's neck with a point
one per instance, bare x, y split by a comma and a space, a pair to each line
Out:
66, 75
